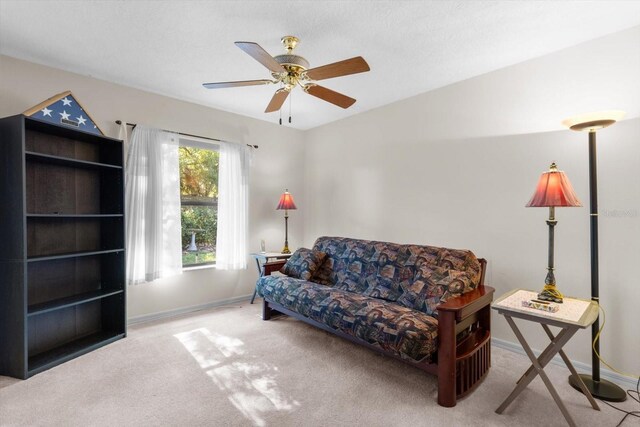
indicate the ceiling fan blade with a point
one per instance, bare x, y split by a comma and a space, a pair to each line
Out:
329, 95
262, 56
221, 85
340, 68
278, 99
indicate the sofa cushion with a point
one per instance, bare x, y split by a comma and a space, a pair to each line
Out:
400, 330
303, 263
383, 288
388, 270
363, 262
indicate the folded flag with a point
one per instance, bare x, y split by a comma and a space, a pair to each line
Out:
64, 109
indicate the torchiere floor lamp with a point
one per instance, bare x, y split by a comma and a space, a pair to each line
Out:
591, 122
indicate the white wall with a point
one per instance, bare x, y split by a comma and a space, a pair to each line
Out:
276, 166
454, 167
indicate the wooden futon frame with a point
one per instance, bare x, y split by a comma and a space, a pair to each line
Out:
464, 338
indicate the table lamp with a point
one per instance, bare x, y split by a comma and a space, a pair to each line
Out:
286, 203
553, 190
591, 122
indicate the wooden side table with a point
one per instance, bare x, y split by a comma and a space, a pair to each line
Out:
574, 314
261, 259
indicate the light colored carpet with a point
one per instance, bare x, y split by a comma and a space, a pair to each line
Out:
227, 367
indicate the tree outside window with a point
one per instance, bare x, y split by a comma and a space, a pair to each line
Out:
199, 200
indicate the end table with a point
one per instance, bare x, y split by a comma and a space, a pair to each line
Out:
574, 314
261, 259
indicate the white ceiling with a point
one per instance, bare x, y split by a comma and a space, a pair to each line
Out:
171, 47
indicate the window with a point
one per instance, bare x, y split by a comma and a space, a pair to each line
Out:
199, 163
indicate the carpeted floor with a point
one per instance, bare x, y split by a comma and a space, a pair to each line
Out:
226, 367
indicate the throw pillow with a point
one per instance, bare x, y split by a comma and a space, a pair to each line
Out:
303, 263
462, 260
433, 287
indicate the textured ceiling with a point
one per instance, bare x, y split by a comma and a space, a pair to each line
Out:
171, 47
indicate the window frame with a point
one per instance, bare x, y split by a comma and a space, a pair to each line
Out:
200, 143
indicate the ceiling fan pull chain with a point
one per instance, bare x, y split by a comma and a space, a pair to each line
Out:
290, 97
280, 111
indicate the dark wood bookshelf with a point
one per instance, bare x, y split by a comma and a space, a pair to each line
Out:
74, 216
65, 302
49, 359
46, 158
62, 261
72, 255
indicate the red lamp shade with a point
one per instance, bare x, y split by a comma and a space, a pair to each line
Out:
554, 190
286, 201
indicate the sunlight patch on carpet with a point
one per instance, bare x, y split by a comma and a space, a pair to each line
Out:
251, 385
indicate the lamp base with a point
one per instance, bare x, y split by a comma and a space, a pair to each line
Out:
550, 294
603, 389
286, 250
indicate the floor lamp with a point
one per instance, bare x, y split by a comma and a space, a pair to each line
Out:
602, 389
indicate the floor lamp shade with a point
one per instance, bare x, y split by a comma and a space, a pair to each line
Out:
286, 203
591, 122
553, 190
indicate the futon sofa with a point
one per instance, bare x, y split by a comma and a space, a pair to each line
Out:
424, 305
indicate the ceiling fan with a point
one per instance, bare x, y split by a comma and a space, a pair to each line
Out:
290, 70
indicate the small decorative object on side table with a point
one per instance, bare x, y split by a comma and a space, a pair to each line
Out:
572, 315
263, 258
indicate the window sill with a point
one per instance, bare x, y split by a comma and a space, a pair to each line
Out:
198, 267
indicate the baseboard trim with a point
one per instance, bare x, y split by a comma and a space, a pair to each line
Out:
185, 310
623, 381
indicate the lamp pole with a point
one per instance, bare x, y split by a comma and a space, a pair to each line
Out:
551, 222
286, 250
595, 274
598, 387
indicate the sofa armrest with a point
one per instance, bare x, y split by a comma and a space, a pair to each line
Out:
468, 303
454, 316
270, 267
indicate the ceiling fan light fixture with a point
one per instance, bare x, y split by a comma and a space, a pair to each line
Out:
290, 70
291, 59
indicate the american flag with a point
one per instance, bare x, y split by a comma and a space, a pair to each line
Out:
66, 111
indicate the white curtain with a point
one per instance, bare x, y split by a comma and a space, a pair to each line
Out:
152, 193
233, 206
123, 134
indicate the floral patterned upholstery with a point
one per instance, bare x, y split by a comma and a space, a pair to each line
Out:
402, 331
